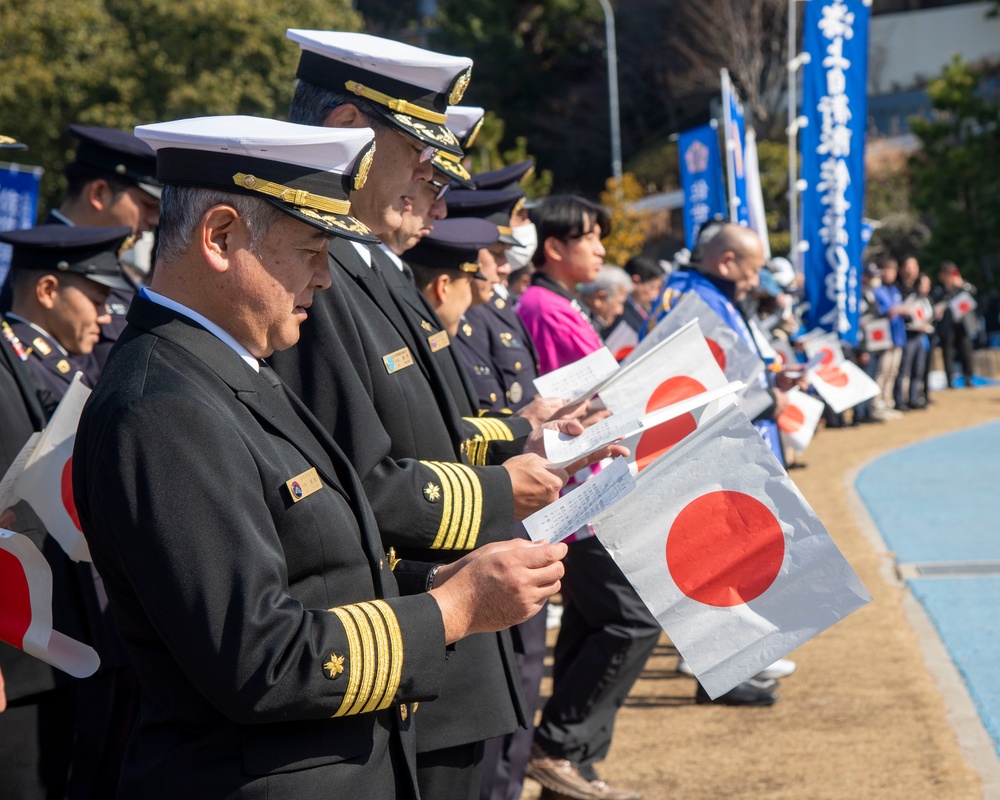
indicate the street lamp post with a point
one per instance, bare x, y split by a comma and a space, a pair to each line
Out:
612, 55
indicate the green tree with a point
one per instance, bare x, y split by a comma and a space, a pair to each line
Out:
957, 174
125, 62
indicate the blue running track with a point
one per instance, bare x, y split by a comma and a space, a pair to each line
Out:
937, 506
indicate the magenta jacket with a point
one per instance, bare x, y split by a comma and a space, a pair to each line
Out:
557, 323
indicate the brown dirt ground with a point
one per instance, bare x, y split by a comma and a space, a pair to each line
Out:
861, 718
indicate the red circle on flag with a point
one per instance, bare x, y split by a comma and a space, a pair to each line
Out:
720, 356
792, 419
656, 441
66, 486
827, 355
963, 307
15, 600
834, 376
725, 548
878, 335
624, 352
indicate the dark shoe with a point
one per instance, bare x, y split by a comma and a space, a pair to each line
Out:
562, 779
754, 692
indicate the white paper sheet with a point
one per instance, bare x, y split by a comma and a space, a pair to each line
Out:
574, 510
575, 380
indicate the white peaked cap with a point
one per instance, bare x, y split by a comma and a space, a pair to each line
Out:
396, 60
463, 119
303, 170
409, 87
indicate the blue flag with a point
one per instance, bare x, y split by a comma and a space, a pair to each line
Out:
19, 187
833, 161
701, 179
735, 135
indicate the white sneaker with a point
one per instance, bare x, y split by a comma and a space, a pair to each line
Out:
781, 668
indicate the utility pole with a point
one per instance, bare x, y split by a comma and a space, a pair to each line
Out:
612, 56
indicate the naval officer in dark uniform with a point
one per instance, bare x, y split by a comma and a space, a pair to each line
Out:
368, 376
241, 557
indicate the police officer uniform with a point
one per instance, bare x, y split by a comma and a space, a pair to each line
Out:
57, 249
118, 154
371, 380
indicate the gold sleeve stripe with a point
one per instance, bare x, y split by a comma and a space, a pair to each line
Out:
472, 508
447, 503
463, 489
374, 621
391, 624
476, 450
369, 659
354, 659
375, 645
462, 506
492, 429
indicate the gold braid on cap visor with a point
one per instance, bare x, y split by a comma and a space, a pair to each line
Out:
295, 197
397, 105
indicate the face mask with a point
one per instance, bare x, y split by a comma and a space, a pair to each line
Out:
520, 256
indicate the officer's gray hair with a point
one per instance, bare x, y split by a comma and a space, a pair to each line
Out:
608, 280
312, 104
182, 208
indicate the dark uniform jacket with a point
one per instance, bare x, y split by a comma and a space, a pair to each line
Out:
247, 579
369, 380
49, 364
499, 353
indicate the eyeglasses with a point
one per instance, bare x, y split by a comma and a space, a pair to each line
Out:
442, 188
426, 153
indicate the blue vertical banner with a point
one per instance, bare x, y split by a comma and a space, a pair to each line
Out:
19, 188
833, 160
735, 135
701, 178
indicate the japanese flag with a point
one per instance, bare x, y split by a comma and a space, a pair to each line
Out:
42, 474
26, 609
622, 340
843, 386
727, 554
961, 304
798, 421
735, 358
826, 347
784, 352
878, 335
920, 310
681, 368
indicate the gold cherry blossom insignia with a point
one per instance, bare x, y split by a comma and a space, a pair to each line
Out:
334, 667
432, 492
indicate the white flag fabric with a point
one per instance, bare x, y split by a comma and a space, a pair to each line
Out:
755, 193
621, 341
727, 554
798, 421
46, 476
878, 335
682, 367
842, 386
827, 347
961, 304
26, 609
734, 357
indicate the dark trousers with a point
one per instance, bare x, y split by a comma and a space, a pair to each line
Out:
912, 369
955, 339
36, 735
506, 757
451, 772
606, 637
